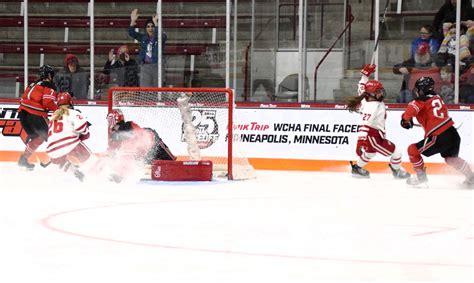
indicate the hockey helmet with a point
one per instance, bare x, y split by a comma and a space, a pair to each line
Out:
424, 86
45, 71
375, 89
64, 98
115, 117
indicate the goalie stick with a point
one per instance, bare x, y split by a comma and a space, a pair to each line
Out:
378, 35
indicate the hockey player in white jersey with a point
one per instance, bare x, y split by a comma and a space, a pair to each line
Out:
68, 129
371, 134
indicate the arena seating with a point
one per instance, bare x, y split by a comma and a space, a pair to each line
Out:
109, 22
187, 34
84, 48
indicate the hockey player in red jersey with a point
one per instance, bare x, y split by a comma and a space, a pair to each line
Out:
68, 129
371, 135
440, 134
129, 142
38, 99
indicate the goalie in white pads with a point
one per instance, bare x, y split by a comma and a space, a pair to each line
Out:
371, 135
68, 129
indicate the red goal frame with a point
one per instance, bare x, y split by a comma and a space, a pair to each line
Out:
230, 106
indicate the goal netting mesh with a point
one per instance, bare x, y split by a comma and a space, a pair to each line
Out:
196, 124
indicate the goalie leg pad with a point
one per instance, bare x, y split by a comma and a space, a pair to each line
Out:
168, 170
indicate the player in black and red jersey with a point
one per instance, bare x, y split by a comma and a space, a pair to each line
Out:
144, 143
38, 99
129, 145
440, 134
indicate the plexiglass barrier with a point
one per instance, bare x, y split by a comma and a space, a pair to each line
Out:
278, 50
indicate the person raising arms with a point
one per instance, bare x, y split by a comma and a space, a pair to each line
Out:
371, 135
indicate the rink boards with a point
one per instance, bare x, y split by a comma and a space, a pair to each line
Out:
272, 135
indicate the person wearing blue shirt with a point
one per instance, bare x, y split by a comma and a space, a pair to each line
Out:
426, 36
148, 53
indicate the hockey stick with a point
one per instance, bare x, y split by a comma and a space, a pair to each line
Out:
44, 165
378, 35
457, 128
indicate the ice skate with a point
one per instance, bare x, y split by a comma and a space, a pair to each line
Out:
115, 178
359, 172
79, 175
399, 173
24, 164
420, 181
469, 182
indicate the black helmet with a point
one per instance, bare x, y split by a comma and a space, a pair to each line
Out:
45, 71
424, 86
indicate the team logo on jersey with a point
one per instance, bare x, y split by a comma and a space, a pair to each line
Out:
10, 124
206, 127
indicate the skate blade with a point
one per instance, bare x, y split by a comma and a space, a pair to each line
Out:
418, 186
360, 176
22, 168
402, 178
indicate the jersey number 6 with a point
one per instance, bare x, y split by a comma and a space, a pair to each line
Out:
55, 126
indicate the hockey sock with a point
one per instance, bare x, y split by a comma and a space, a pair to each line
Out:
32, 146
460, 165
80, 153
365, 158
415, 158
396, 159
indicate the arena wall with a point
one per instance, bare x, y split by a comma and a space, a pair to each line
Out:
279, 136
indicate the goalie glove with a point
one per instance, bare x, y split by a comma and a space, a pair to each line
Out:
368, 69
406, 124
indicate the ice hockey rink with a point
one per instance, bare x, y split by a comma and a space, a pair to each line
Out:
280, 227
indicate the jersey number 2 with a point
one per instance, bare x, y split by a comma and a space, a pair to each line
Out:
55, 126
437, 106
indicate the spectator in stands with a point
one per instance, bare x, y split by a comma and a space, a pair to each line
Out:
421, 65
469, 24
446, 53
148, 54
426, 36
447, 84
466, 85
122, 69
447, 13
73, 78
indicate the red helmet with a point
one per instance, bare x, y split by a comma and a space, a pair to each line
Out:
373, 86
375, 89
115, 117
64, 98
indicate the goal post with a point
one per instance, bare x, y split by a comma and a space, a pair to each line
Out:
195, 123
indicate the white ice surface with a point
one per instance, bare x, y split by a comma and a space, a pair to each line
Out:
281, 227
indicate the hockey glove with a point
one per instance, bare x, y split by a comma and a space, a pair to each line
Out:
406, 124
368, 70
362, 145
84, 137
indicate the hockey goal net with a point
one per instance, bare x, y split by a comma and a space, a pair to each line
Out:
195, 123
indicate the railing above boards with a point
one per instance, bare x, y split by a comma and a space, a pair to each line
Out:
84, 48
108, 22
295, 14
350, 19
127, 1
